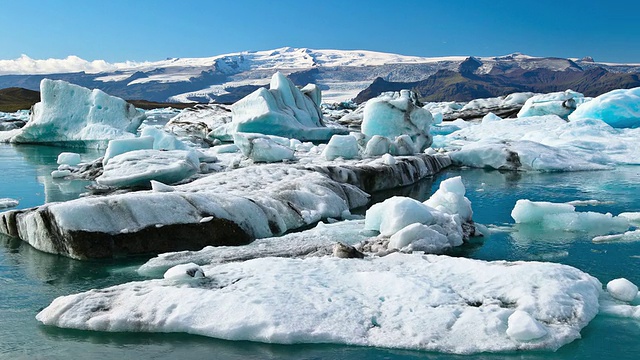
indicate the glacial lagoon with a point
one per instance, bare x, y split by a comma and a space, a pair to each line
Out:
31, 279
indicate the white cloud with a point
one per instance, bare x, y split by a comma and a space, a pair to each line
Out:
26, 65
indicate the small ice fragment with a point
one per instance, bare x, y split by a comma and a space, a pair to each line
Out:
622, 289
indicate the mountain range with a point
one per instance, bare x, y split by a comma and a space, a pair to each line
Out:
341, 74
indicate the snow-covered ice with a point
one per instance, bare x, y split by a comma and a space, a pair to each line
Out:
184, 272
618, 108
425, 302
121, 146
76, 116
545, 143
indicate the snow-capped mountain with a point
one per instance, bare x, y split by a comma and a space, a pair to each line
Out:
341, 74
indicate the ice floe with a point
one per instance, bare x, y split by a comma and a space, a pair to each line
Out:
562, 216
6, 203
622, 289
545, 143
264, 148
425, 302
75, 116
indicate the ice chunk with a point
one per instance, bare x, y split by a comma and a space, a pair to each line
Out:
283, 110
157, 186
618, 108
377, 145
419, 237
450, 199
68, 158
633, 235
395, 213
184, 272
162, 140
57, 174
490, 117
264, 148
558, 103
6, 203
139, 167
523, 327
72, 114
395, 114
344, 146
562, 216
622, 289
121, 146
433, 303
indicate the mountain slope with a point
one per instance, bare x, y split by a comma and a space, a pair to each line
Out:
340, 74
14, 99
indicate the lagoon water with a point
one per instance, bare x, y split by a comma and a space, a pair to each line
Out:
30, 280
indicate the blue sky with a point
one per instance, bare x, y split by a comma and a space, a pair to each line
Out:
119, 30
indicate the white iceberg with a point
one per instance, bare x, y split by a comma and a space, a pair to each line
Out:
264, 148
618, 108
68, 158
139, 167
341, 146
396, 114
622, 289
283, 110
558, 103
561, 216
76, 116
6, 203
433, 303
121, 146
433, 226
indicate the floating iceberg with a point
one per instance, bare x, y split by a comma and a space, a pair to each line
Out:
559, 103
283, 110
546, 143
68, 158
395, 114
342, 146
75, 116
429, 302
6, 203
622, 289
434, 226
561, 216
618, 108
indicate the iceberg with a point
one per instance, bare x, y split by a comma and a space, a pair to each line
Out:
618, 108
342, 146
425, 302
440, 223
395, 114
6, 203
558, 103
68, 158
561, 216
76, 116
121, 146
283, 110
264, 148
622, 289
139, 167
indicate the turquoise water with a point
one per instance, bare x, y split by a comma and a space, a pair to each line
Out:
30, 280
